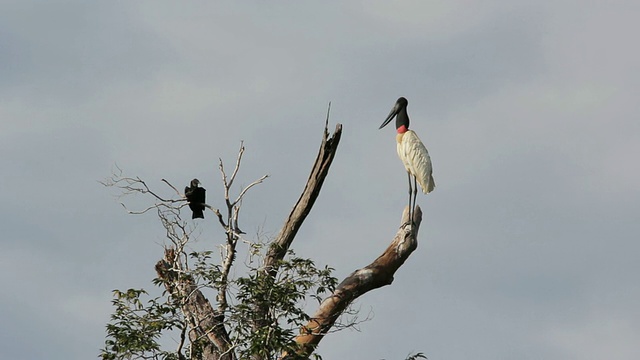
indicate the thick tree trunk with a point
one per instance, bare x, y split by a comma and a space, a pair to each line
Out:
206, 328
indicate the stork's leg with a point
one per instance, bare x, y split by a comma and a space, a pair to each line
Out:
410, 208
415, 195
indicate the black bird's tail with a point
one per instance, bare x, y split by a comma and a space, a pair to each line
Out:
197, 213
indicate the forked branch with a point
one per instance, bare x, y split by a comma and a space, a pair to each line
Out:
230, 225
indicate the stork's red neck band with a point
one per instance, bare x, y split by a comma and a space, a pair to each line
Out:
402, 129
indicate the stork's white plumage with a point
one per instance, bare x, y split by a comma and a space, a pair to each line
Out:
416, 159
412, 152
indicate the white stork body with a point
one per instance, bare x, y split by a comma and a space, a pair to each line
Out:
416, 160
412, 152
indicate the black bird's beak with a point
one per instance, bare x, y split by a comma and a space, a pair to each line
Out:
391, 115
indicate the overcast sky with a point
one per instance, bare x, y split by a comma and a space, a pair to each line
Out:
529, 244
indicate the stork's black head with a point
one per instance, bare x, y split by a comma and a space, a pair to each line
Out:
399, 110
195, 183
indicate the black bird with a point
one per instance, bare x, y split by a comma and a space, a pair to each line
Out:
196, 198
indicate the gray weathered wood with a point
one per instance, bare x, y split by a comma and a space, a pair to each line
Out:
283, 240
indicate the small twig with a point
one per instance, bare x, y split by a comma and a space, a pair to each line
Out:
173, 187
155, 206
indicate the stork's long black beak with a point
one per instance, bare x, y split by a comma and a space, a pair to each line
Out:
391, 115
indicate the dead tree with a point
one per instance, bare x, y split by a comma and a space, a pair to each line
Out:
205, 323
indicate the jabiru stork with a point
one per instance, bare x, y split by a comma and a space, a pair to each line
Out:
412, 152
196, 197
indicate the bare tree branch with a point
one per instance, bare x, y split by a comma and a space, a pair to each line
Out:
377, 274
283, 240
224, 182
238, 160
259, 181
218, 214
230, 226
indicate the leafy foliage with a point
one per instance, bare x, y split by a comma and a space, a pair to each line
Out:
284, 297
135, 327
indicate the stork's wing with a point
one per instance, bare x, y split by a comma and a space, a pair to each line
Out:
416, 160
